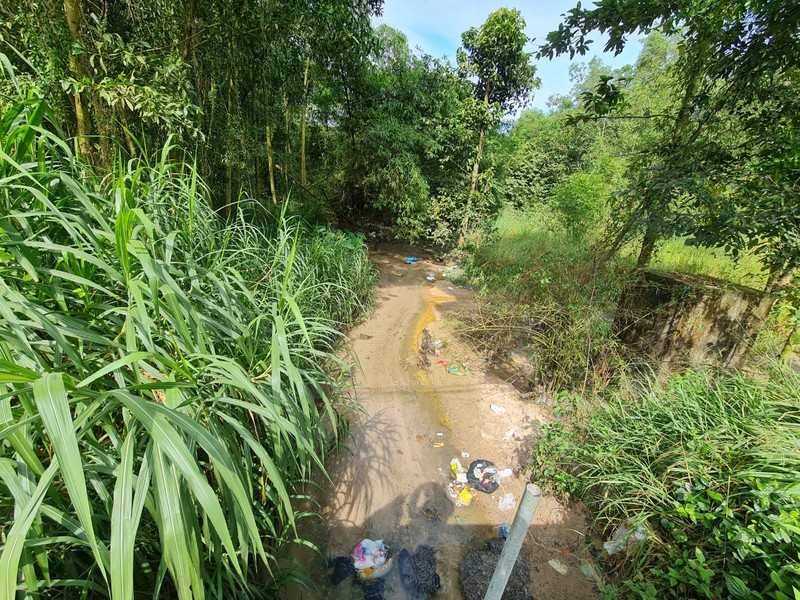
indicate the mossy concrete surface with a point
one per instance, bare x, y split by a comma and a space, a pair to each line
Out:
685, 320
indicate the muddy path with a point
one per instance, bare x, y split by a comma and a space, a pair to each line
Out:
390, 481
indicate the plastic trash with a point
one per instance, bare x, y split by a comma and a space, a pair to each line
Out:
456, 466
482, 474
558, 565
368, 554
622, 537
459, 493
505, 473
465, 455
430, 277
438, 444
411, 259
498, 410
458, 370
504, 530
507, 502
461, 478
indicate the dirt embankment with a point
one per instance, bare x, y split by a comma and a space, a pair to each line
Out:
390, 482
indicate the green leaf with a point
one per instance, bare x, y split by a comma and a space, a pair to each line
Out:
51, 400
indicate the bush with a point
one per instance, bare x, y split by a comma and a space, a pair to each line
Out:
707, 464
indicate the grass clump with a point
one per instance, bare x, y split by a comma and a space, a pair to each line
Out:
162, 380
707, 465
545, 288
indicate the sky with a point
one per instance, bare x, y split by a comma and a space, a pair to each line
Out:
436, 27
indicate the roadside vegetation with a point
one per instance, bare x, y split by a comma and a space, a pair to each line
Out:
703, 467
168, 378
693, 473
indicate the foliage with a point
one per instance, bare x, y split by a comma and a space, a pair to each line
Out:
163, 380
494, 55
676, 255
706, 464
722, 170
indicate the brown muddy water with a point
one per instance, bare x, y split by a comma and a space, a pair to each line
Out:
390, 480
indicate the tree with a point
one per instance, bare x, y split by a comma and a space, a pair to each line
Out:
504, 79
721, 148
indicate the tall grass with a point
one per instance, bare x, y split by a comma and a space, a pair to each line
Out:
675, 255
162, 380
551, 281
708, 465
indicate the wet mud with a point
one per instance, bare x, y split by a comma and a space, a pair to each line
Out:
389, 481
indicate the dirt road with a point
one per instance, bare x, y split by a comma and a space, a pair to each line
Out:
391, 481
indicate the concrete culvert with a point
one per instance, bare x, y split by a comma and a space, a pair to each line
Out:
477, 569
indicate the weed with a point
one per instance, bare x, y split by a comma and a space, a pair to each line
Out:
708, 464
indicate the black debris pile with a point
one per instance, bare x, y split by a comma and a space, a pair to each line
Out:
418, 572
478, 567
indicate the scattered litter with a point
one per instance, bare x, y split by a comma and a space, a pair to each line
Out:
461, 478
510, 434
411, 259
459, 520
443, 363
498, 410
465, 496
482, 474
558, 566
505, 473
430, 277
459, 493
504, 530
438, 444
465, 455
590, 572
368, 554
622, 537
507, 502
450, 287
439, 434
458, 370
456, 466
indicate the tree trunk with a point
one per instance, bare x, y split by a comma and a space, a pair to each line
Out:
473, 182
676, 140
779, 277
303, 127
188, 28
73, 11
648, 246
287, 149
228, 167
788, 347
271, 168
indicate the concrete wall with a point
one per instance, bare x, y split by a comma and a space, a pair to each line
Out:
689, 320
